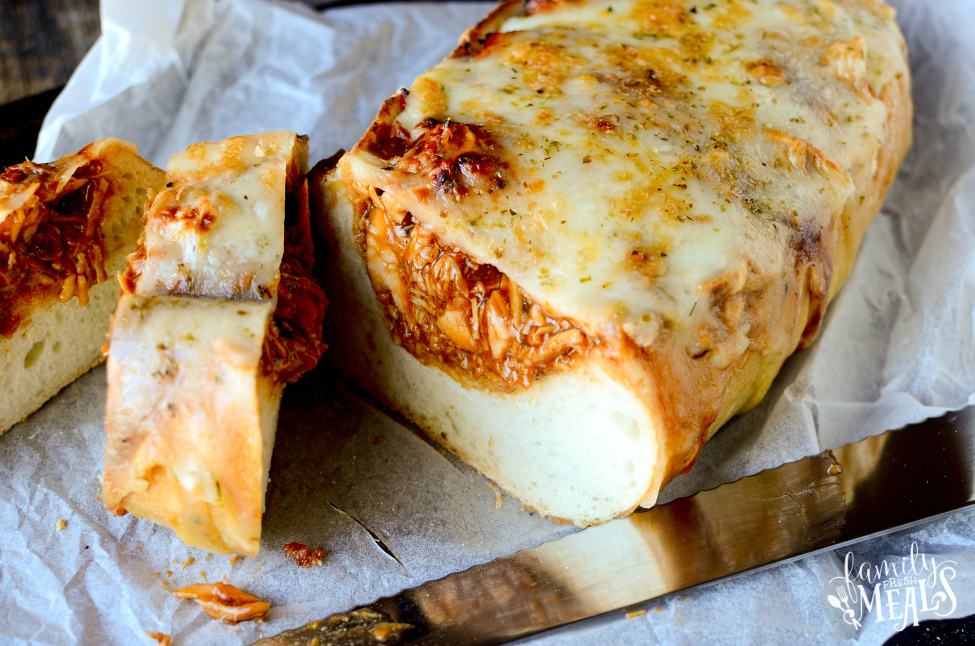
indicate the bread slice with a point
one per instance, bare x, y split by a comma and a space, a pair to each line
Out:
53, 332
224, 313
579, 245
193, 417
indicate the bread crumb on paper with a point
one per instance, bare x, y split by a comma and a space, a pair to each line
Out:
498, 499
188, 562
236, 559
62, 523
635, 614
161, 638
303, 556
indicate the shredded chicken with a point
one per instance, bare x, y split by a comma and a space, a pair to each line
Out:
293, 343
225, 602
51, 243
448, 310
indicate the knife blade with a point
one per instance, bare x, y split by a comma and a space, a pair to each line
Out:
878, 485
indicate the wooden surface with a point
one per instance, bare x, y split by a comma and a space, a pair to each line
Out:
41, 42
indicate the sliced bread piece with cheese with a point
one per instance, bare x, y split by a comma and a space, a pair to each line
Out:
221, 311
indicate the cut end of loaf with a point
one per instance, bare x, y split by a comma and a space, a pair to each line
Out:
579, 446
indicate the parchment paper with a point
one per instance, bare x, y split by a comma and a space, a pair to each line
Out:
898, 346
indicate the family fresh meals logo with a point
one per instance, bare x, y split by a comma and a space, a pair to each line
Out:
894, 591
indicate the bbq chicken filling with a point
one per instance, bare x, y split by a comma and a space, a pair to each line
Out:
444, 307
51, 240
450, 311
293, 343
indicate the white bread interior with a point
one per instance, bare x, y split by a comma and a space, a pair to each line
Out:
63, 341
560, 446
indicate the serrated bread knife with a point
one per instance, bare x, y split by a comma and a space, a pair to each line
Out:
875, 486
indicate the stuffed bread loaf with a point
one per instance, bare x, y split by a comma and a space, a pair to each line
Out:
575, 248
65, 228
220, 311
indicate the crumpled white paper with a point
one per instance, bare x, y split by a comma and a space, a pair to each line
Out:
898, 346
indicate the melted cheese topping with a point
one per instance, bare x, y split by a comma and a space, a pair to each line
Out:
218, 228
655, 152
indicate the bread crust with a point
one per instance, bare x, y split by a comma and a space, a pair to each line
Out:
743, 385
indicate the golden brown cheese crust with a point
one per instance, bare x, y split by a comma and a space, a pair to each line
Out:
690, 185
219, 195
293, 343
